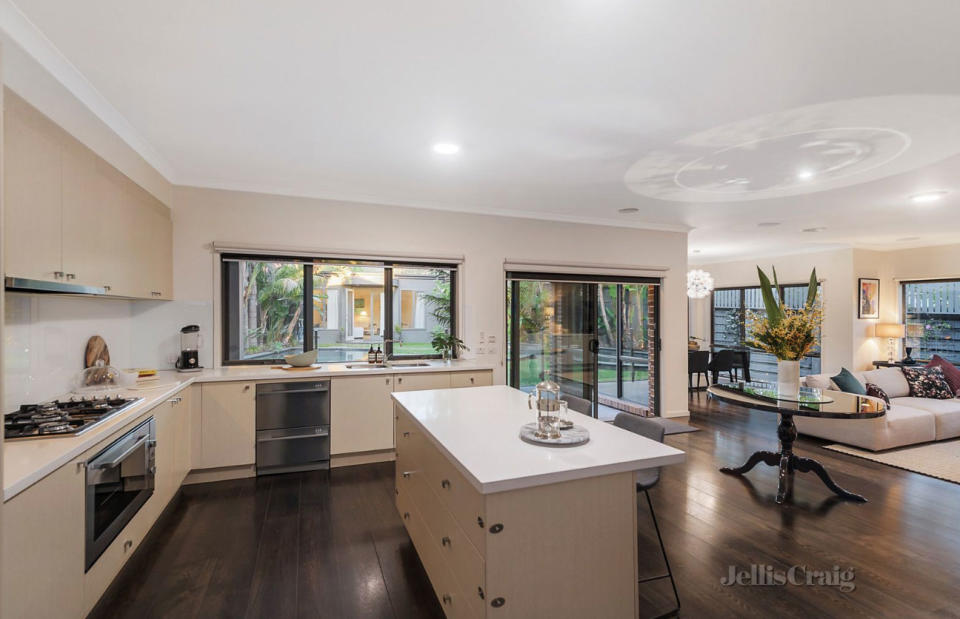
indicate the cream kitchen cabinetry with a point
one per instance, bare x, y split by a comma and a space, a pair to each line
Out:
71, 217
427, 380
361, 414
42, 560
480, 378
227, 424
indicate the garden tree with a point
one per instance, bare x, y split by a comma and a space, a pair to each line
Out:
273, 298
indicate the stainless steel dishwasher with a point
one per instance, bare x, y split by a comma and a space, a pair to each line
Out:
293, 426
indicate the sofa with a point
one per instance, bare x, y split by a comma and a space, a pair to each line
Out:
908, 420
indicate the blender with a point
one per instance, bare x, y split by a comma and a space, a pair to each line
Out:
190, 343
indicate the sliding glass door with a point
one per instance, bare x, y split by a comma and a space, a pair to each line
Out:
553, 335
596, 339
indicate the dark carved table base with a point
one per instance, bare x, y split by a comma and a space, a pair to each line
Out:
789, 463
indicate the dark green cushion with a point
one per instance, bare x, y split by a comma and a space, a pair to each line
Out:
849, 383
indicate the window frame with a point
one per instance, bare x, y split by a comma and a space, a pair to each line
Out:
903, 299
308, 266
743, 323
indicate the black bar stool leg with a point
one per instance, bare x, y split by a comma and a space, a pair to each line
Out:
666, 561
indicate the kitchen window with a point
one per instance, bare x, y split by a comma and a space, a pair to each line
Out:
274, 307
931, 314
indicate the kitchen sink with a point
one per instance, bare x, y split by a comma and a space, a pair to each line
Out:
371, 366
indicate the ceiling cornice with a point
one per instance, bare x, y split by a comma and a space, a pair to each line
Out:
22, 32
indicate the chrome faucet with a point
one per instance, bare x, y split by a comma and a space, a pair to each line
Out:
386, 356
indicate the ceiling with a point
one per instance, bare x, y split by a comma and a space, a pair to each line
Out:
714, 116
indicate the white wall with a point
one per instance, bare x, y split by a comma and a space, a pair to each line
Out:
202, 216
46, 335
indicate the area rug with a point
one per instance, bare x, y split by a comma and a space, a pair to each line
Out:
675, 427
940, 460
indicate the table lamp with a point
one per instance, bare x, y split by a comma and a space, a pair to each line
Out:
891, 331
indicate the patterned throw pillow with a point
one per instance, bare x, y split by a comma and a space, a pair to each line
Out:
950, 372
928, 383
874, 391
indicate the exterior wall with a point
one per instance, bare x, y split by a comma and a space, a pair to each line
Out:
202, 216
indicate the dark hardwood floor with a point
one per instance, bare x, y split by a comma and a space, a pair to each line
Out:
330, 544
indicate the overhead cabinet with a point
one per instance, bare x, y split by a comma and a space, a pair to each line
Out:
71, 217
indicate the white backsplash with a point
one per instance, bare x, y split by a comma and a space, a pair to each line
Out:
46, 336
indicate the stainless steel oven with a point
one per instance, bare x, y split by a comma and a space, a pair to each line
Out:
120, 479
293, 426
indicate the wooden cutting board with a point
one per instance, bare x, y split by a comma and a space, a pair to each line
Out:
96, 351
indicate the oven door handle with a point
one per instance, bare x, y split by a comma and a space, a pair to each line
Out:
288, 391
123, 456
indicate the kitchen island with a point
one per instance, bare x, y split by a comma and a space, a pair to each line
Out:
509, 529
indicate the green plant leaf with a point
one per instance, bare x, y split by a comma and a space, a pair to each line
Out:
774, 313
812, 289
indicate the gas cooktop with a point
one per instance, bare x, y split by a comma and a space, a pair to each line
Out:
62, 417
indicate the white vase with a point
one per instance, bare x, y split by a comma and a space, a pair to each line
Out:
788, 378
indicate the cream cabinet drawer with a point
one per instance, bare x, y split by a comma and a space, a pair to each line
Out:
471, 379
458, 552
452, 600
461, 499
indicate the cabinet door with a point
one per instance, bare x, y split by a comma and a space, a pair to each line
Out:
416, 382
42, 560
183, 413
228, 424
153, 257
166, 483
361, 414
471, 379
31, 186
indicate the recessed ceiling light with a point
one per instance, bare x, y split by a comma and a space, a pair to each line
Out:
696, 251
927, 197
446, 148
906, 239
805, 175
628, 210
768, 224
817, 229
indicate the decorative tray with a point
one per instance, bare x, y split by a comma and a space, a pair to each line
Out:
577, 435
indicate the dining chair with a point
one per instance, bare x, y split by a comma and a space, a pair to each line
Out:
646, 479
741, 365
698, 362
577, 404
723, 361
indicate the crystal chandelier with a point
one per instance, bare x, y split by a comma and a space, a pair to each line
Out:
699, 284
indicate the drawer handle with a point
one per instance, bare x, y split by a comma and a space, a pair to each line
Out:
445, 484
444, 541
406, 474
497, 602
127, 545
471, 380
71, 276
107, 288
406, 515
58, 274
388, 381
447, 599
246, 387
480, 522
406, 435
480, 593
400, 380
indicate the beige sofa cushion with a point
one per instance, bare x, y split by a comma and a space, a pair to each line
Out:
902, 425
891, 380
946, 413
819, 381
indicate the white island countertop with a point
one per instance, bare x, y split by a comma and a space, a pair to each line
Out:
478, 429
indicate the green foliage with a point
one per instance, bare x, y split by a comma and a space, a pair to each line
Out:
447, 344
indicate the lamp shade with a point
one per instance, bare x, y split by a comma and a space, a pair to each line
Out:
890, 329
